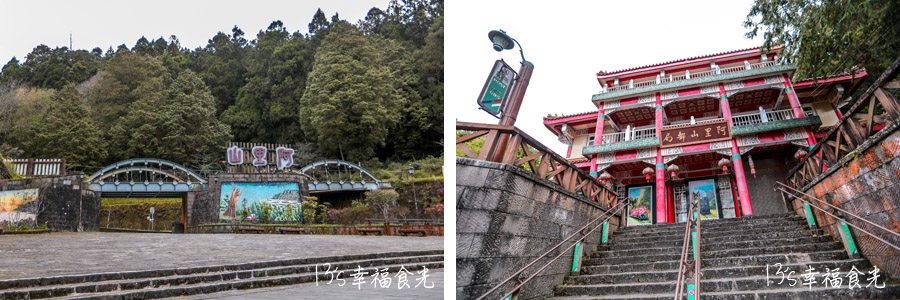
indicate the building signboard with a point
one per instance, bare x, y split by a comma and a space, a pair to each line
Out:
694, 134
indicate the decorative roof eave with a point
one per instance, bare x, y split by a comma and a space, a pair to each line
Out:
551, 123
690, 60
693, 81
842, 77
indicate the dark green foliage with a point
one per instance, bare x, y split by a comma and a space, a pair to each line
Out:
351, 101
375, 94
52, 68
68, 131
824, 38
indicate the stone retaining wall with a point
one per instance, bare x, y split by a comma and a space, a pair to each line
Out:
66, 201
868, 186
507, 217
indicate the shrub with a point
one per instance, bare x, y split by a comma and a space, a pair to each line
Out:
355, 214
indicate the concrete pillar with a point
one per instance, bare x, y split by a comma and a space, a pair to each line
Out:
798, 110
740, 177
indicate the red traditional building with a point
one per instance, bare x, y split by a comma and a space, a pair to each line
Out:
721, 127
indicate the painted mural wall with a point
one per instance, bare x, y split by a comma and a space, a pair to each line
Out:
248, 200
18, 207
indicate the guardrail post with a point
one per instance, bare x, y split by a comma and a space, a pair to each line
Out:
576, 259
605, 232
810, 217
847, 239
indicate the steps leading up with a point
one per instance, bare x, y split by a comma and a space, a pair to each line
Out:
203, 280
641, 262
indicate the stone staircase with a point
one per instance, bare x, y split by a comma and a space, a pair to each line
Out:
212, 279
642, 263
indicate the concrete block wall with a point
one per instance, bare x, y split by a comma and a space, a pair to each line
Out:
67, 201
507, 217
868, 186
203, 207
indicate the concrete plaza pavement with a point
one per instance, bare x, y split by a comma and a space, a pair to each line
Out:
69, 253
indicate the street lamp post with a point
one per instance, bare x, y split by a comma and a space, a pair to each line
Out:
502, 41
412, 170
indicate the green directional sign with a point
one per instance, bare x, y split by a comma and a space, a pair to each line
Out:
496, 88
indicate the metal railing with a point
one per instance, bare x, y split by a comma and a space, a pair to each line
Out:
527, 153
784, 188
598, 222
853, 133
757, 118
691, 237
37, 167
687, 75
635, 134
688, 123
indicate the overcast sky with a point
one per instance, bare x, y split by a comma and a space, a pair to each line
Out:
104, 24
569, 43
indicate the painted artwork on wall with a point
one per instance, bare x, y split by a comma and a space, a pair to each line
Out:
18, 207
640, 210
255, 200
705, 191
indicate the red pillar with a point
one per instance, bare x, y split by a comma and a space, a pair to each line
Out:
598, 139
661, 203
743, 191
670, 188
798, 110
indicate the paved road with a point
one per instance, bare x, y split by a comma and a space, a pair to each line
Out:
334, 291
26, 256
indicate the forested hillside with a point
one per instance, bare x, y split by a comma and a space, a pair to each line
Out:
369, 91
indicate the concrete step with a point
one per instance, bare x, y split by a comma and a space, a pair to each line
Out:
720, 222
756, 260
890, 291
705, 255
675, 236
615, 251
779, 225
209, 288
754, 284
107, 282
71, 279
636, 243
715, 273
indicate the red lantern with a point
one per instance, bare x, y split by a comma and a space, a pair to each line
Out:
648, 171
752, 168
605, 177
724, 163
800, 154
672, 170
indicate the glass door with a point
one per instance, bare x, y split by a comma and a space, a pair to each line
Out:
681, 203
726, 197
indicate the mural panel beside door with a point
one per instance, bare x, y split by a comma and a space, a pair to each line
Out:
640, 210
705, 191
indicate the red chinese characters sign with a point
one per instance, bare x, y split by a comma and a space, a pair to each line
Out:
694, 134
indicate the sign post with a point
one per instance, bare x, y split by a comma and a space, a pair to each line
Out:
496, 88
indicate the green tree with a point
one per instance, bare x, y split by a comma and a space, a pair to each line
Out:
188, 121
120, 85
68, 132
350, 102
265, 109
221, 65
829, 37
382, 201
